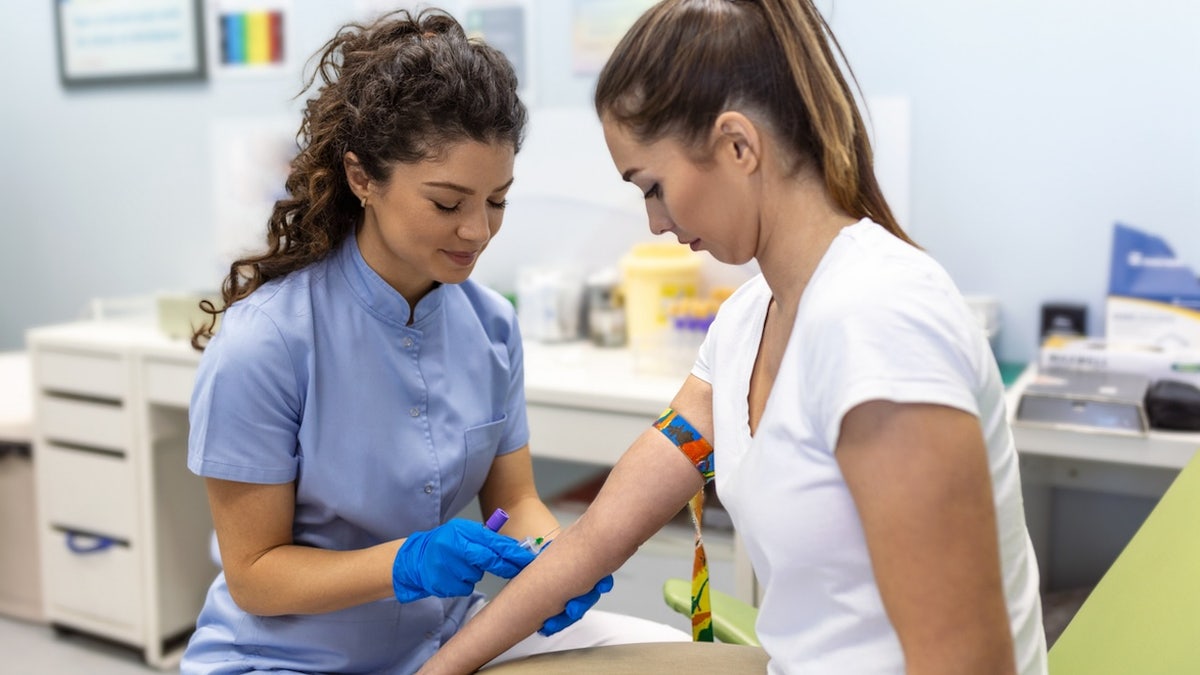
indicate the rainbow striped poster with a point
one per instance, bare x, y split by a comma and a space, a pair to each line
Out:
251, 38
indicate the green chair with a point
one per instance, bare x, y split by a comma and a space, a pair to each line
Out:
732, 619
1143, 616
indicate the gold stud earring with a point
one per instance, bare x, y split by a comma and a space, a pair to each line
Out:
364, 202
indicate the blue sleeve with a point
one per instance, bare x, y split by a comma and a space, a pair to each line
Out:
516, 431
245, 410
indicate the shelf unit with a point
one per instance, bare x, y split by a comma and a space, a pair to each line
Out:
123, 526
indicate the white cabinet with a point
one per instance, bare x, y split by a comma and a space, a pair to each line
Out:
123, 526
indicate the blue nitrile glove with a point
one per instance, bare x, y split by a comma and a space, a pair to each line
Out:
450, 559
576, 608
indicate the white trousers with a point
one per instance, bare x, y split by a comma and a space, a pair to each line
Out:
595, 629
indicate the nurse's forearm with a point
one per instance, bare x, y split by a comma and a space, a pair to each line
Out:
305, 580
650, 484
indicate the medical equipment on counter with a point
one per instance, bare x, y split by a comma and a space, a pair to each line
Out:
605, 309
672, 349
179, 314
653, 274
987, 312
1175, 405
549, 303
1102, 355
1108, 402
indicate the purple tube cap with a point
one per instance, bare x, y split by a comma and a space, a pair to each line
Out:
497, 520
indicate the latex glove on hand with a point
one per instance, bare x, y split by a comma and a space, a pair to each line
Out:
450, 559
576, 608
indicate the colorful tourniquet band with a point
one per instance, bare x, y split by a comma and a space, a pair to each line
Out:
702, 628
688, 440
700, 452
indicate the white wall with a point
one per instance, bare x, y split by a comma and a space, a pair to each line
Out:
1035, 126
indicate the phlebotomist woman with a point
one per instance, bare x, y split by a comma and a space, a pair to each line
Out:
361, 391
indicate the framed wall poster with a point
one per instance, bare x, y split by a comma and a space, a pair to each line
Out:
596, 28
250, 161
369, 10
506, 25
249, 37
114, 41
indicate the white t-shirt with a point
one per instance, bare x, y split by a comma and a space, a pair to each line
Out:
879, 319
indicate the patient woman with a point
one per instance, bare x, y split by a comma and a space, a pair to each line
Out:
361, 391
855, 407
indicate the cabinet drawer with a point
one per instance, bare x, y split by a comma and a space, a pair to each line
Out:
88, 490
97, 591
102, 375
169, 383
89, 423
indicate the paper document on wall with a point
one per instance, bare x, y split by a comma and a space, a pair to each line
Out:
1144, 266
1153, 296
889, 126
250, 161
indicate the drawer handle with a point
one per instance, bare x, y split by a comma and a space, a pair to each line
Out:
14, 449
95, 543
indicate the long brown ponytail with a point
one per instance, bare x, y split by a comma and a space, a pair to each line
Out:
684, 62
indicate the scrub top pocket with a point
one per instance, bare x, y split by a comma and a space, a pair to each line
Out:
482, 444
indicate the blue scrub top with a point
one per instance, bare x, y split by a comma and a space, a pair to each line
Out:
385, 429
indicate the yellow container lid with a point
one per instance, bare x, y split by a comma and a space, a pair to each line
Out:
660, 257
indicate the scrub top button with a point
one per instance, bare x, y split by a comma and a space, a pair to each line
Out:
415, 412
408, 342
429, 488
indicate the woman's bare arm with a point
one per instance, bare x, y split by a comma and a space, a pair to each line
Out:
647, 487
919, 477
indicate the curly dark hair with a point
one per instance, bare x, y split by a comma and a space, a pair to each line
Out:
399, 90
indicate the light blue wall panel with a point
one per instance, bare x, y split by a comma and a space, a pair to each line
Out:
1034, 126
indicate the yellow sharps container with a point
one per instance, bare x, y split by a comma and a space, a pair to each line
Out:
652, 275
